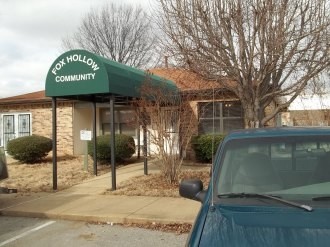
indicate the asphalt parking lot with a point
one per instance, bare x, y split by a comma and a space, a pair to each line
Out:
21, 231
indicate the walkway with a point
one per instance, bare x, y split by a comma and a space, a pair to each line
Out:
86, 202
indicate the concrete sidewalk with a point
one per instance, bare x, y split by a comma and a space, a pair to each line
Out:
86, 202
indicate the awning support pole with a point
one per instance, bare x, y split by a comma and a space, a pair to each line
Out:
138, 140
94, 139
54, 138
145, 142
112, 141
145, 150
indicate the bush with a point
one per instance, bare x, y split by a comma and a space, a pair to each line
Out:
29, 149
202, 146
124, 148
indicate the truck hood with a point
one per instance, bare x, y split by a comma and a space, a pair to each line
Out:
265, 226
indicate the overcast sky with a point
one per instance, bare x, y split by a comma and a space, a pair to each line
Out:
30, 38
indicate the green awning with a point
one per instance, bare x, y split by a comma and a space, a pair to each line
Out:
79, 73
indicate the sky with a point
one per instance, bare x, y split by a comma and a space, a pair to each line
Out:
31, 32
311, 102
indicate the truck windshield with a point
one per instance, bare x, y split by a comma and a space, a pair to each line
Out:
293, 167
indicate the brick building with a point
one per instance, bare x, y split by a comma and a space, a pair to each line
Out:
32, 113
308, 110
81, 86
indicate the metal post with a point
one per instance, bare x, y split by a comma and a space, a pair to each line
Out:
94, 139
145, 149
112, 142
54, 143
138, 142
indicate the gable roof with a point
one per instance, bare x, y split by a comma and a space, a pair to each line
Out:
185, 80
33, 97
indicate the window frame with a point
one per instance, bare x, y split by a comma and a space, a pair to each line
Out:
219, 115
16, 126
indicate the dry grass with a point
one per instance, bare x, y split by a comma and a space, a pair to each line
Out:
39, 177
157, 185
28, 178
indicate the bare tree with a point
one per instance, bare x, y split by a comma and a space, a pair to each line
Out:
268, 49
171, 122
123, 33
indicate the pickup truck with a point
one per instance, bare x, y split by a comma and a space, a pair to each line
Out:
268, 187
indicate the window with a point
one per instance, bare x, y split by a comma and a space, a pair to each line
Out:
171, 120
227, 116
14, 125
125, 121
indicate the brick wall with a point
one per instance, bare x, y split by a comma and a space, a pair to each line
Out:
42, 122
310, 117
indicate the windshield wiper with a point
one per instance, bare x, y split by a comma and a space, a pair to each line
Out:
275, 198
321, 198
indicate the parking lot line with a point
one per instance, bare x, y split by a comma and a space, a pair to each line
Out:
27, 233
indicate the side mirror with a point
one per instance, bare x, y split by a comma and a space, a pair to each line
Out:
192, 189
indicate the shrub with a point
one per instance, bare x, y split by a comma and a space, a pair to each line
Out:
202, 146
29, 149
124, 148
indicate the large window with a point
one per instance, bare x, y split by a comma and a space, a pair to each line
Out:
224, 116
125, 121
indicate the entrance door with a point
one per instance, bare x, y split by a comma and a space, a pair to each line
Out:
14, 126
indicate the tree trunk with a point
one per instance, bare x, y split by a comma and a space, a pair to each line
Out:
253, 114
